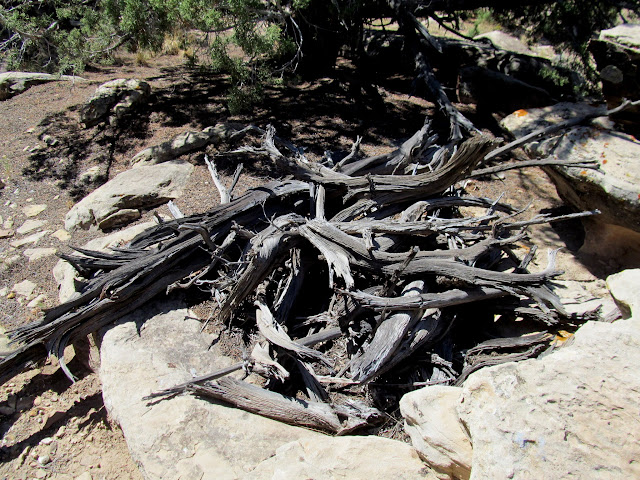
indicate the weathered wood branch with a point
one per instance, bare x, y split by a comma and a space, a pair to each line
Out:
291, 410
276, 335
387, 338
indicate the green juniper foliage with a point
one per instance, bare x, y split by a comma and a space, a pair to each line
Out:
568, 25
256, 42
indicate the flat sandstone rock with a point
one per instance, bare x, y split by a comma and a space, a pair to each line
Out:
187, 437
143, 187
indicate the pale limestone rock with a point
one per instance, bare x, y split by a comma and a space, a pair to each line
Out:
31, 239
6, 233
113, 98
505, 41
625, 34
37, 302
30, 225
571, 414
62, 235
24, 288
13, 83
11, 260
121, 217
614, 188
328, 458
581, 298
436, 431
143, 187
625, 289
34, 254
34, 210
92, 174
187, 437
5, 345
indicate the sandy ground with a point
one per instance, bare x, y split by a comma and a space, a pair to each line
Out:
52, 429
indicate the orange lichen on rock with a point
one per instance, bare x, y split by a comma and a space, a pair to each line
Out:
520, 113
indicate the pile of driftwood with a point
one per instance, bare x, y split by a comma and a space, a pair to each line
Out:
348, 278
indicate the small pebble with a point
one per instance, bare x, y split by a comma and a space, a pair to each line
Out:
37, 401
52, 449
41, 473
60, 432
44, 459
46, 441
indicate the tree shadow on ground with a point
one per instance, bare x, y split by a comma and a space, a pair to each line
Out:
326, 114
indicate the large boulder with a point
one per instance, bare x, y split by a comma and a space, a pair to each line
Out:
188, 437
614, 188
432, 422
13, 83
624, 289
113, 99
570, 414
120, 199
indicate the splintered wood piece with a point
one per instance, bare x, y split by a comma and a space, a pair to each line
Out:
387, 338
276, 335
336, 419
336, 257
265, 366
314, 415
426, 332
315, 390
287, 297
261, 258
502, 350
